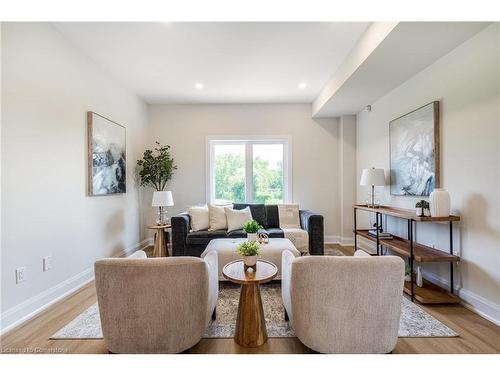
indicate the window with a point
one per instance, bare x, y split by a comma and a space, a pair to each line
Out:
248, 170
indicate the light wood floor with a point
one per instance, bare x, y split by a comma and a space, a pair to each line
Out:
477, 335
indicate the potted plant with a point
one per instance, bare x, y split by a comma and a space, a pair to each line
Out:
422, 208
250, 251
155, 169
251, 228
427, 208
407, 273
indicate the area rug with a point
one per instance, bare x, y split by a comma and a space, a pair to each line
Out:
414, 322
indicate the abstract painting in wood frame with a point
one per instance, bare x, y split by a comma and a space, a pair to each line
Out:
414, 152
106, 156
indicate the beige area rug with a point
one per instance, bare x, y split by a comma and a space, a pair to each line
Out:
415, 322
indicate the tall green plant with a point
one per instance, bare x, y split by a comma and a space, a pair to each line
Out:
156, 167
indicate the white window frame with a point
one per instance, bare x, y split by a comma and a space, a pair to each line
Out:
248, 141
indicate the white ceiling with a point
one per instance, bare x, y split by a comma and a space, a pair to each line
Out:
236, 62
406, 50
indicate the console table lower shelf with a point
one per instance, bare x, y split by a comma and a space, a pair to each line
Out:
429, 293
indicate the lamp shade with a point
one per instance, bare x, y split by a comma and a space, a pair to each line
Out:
372, 177
162, 199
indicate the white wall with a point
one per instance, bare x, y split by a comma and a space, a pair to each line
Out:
347, 177
315, 153
48, 86
1, 226
466, 82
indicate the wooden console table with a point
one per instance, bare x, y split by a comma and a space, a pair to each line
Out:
428, 293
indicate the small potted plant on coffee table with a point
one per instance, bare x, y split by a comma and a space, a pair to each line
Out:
251, 228
250, 251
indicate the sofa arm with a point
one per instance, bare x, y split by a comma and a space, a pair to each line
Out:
313, 224
287, 258
211, 259
180, 230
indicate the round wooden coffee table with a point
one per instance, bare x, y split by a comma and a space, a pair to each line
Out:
250, 323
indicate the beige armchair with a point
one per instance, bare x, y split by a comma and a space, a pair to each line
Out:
344, 304
156, 305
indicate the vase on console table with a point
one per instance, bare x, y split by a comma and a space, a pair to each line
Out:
420, 280
440, 203
251, 236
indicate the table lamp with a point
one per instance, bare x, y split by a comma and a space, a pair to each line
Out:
162, 199
372, 177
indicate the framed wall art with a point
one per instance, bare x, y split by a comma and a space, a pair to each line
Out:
106, 156
414, 152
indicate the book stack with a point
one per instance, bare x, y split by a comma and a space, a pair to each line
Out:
381, 235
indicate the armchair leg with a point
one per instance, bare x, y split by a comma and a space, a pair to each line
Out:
286, 315
214, 314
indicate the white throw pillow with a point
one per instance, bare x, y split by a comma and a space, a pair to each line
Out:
217, 217
236, 219
289, 216
139, 254
199, 217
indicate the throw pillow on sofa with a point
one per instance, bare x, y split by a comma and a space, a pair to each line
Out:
236, 219
289, 216
199, 218
217, 217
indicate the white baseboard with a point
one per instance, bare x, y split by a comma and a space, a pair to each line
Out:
31, 307
347, 241
27, 309
332, 239
480, 305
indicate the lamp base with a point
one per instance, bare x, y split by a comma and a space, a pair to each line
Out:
162, 218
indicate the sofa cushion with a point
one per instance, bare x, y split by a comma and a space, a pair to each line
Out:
217, 217
289, 216
203, 237
236, 219
240, 233
273, 219
275, 233
199, 218
258, 212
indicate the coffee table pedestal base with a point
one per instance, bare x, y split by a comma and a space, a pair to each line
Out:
250, 324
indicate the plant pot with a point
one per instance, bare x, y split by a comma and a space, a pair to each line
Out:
419, 212
250, 261
440, 203
408, 278
252, 236
427, 212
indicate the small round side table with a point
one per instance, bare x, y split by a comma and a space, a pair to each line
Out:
250, 323
161, 245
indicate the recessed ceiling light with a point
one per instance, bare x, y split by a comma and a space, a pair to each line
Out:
302, 85
198, 86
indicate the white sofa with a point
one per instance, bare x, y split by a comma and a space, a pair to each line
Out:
344, 304
155, 305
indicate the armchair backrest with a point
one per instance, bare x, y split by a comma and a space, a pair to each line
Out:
156, 305
347, 304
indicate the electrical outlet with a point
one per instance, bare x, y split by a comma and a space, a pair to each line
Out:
20, 275
47, 263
